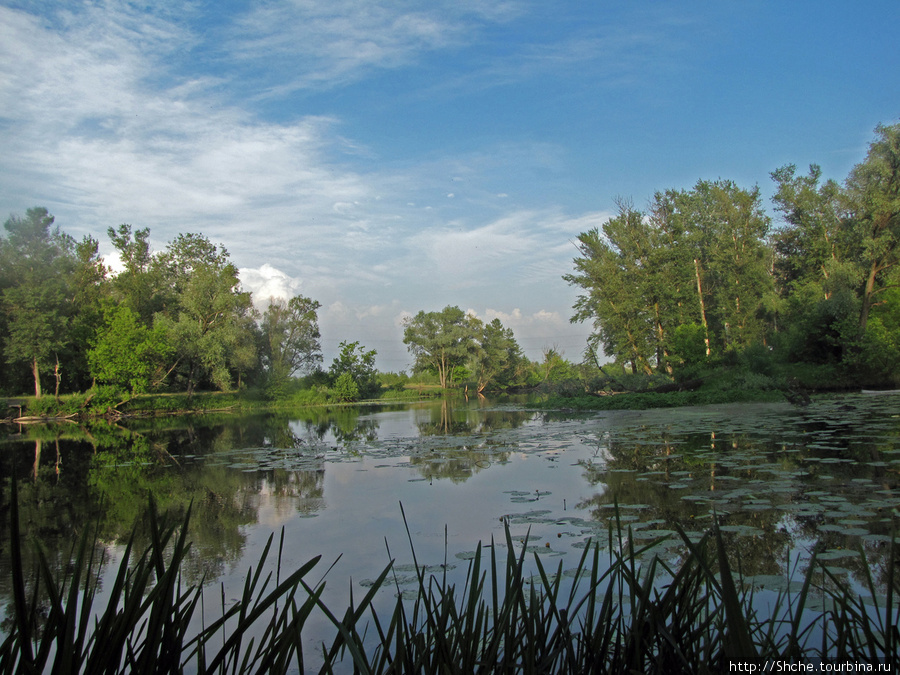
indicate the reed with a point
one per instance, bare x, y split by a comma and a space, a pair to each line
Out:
616, 615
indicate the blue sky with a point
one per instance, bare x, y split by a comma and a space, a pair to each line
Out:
388, 157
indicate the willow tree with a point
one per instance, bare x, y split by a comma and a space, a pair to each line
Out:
290, 338
211, 323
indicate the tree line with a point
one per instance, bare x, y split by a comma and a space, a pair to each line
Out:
178, 320
702, 274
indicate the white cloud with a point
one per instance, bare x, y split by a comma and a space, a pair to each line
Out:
309, 44
528, 246
268, 282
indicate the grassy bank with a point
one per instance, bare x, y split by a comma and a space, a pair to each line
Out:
673, 399
609, 614
737, 383
111, 402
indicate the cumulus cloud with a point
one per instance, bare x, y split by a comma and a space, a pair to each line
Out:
268, 282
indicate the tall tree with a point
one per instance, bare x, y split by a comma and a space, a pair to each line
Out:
440, 341
698, 257
873, 193
212, 317
290, 334
810, 245
89, 287
497, 356
141, 283
614, 300
38, 259
723, 242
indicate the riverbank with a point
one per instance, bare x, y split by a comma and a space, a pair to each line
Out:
107, 402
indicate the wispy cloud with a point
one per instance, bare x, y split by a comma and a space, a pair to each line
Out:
309, 44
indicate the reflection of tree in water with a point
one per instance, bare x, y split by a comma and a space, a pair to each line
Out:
447, 419
103, 480
732, 475
457, 464
343, 424
54, 508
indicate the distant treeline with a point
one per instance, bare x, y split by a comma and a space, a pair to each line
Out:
703, 275
178, 320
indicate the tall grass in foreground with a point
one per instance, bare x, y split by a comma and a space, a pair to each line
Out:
614, 616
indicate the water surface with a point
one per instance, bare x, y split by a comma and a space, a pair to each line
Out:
781, 480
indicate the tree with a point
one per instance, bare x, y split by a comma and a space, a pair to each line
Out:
359, 366
344, 388
89, 288
838, 254
722, 232
440, 341
290, 335
38, 260
610, 269
697, 256
212, 323
497, 356
810, 245
873, 193
141, 284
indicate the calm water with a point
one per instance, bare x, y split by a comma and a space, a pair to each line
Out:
782, 480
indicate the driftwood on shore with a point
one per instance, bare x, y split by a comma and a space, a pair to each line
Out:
41, 419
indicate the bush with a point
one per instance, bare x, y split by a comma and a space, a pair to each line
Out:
105, 397
345, 389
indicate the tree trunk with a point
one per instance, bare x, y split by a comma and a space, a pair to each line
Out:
662, 354
37, 377
867, 299
58, 377
702, 306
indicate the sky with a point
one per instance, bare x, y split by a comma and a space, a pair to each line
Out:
390, 156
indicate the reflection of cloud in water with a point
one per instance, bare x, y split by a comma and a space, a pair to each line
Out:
283, 494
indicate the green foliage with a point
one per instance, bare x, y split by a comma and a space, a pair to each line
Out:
441, 341
879, 354
290, 339
309, 397
212, 331
698, 257
345, 388
106, 397
497, 361
126, 353
393, 381
688, 348
355, 366
38, 261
